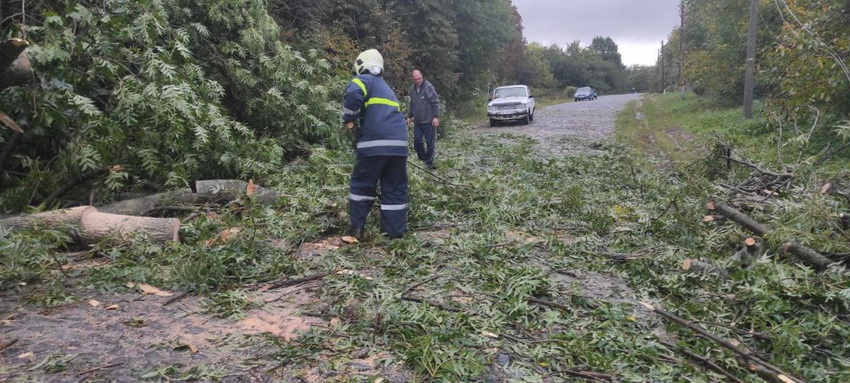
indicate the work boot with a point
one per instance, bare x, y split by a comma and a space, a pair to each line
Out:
431, 166
356, 232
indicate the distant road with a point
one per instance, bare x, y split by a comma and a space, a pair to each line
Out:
568, 129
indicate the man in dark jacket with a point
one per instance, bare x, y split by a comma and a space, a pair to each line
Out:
381, 148
424, 112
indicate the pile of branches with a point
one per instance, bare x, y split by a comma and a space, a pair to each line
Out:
760, 185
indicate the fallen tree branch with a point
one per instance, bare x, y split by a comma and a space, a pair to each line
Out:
287, 282
96, 369
705, 361
178, 297
79, 179
432, 304
813, 257
5, 346
594, 376
776, 371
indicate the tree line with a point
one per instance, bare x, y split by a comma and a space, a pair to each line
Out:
803, 49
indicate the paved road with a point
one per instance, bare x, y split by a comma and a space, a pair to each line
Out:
568, 129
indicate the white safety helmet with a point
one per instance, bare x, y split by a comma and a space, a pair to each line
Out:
370, 60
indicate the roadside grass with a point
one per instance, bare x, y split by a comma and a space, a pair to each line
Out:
495, 231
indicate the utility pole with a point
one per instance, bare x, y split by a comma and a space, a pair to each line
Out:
682, 47
663, 83
749, 79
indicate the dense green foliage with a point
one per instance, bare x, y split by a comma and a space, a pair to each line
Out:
160, 93
803, 50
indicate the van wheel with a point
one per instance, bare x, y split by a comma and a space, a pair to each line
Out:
526, 120
531, 115
492, 123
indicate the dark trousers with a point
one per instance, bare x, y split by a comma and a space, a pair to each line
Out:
425, 150
391, 171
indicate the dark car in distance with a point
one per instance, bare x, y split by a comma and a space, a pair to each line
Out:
585, 93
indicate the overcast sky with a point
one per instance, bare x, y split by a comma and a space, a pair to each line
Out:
637, 26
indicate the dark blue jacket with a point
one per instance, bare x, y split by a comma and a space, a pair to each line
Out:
371, 102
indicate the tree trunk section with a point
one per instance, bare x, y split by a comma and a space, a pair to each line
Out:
812, 257
228, 190
97, 226
65, 217
15, 66
142, 205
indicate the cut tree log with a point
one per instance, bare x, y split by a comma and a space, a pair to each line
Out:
56, 218
15, 66
142, 205
219, 191
228, 190
806, 254
97, 227
694, 266
748, 252
88, 226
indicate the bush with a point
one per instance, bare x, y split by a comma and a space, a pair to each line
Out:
570, 91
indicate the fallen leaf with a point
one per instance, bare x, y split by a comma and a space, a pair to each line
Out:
543, 364
26, 355
349, 240
223, 237
647, 305
490, 334
251, 189
148, 289
94, 303
708, 218
185, 344
116, 168
335, 321
631, 318
825, 188
785, 379
113, 307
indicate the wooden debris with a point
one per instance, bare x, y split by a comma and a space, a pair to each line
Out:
704, 361
695, 266
746, 354
810, 256
15, 66
88, 226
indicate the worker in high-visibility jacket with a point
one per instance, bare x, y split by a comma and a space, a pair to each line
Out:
381, 148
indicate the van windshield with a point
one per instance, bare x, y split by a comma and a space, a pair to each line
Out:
509, 92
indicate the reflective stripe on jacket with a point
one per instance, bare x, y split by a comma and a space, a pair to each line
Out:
371, 102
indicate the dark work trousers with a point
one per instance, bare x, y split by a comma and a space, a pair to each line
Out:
425, 150
391, 171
